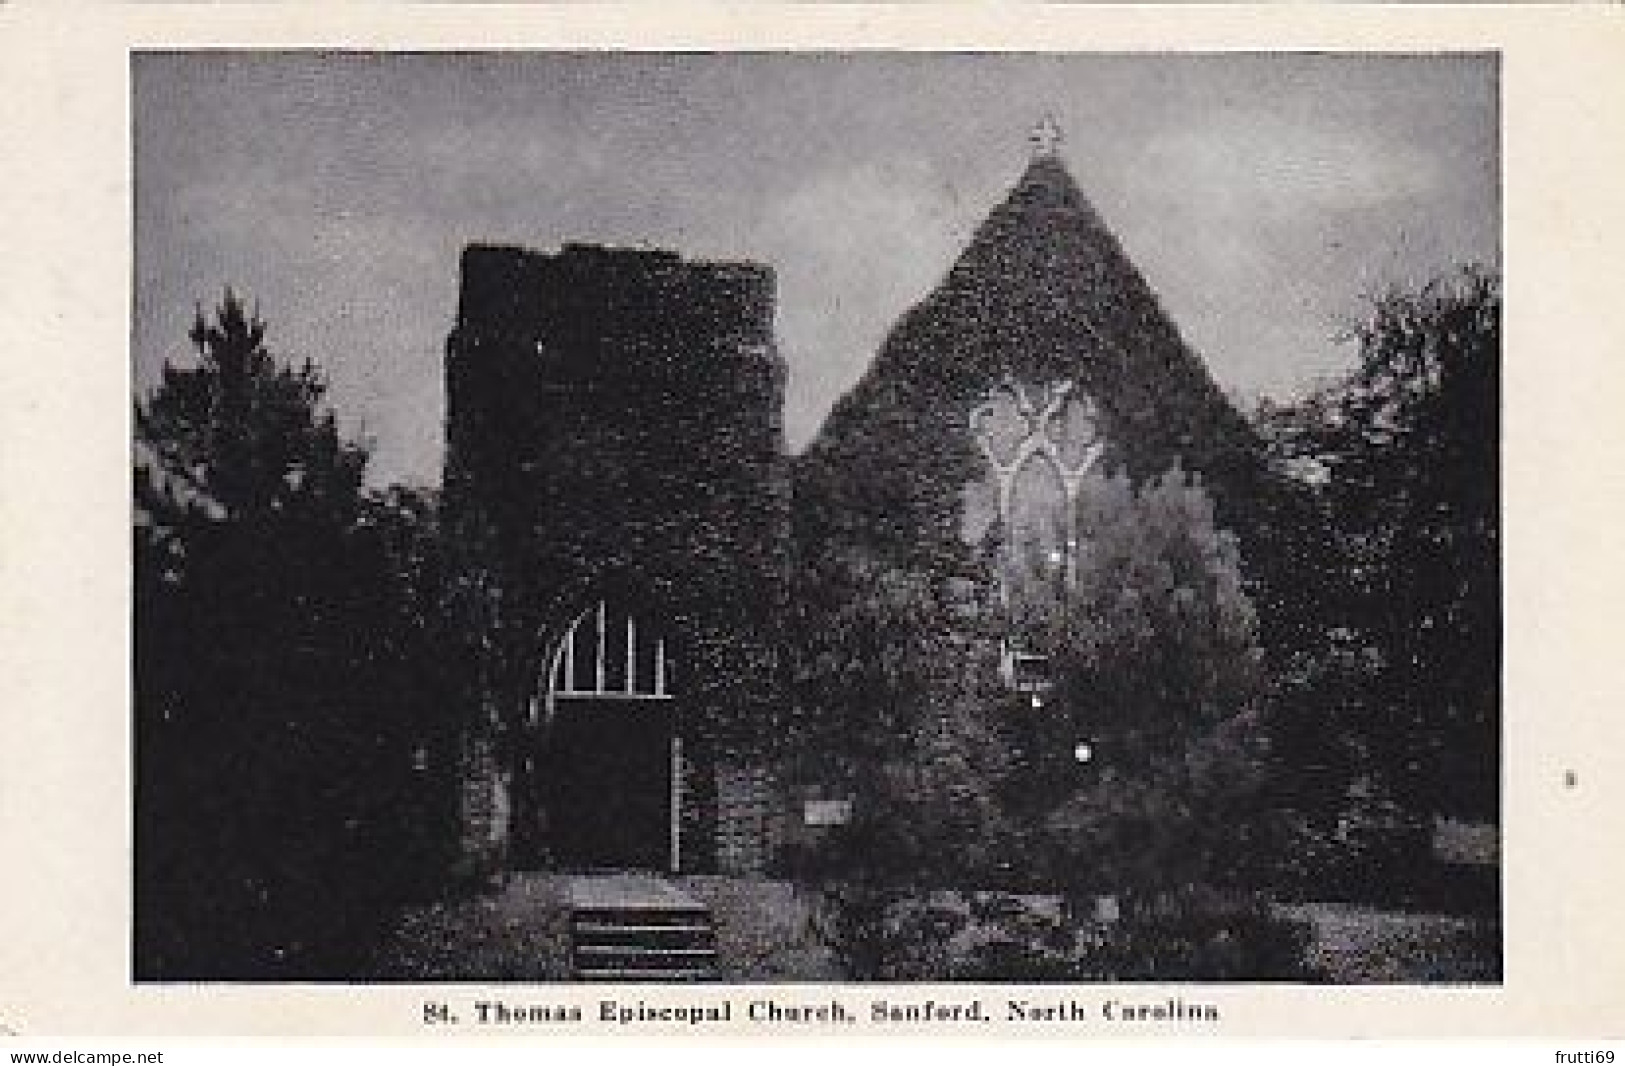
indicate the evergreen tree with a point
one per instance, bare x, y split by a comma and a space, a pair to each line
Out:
1141, 762
274, 740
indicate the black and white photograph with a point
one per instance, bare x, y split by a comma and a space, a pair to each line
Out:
816, 517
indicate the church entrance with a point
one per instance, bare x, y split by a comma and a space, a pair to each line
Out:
611, 785
609, 782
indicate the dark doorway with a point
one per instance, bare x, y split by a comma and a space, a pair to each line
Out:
610, 783
601, 784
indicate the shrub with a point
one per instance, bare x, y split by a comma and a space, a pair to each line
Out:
1196, 935
892, 933
886, 932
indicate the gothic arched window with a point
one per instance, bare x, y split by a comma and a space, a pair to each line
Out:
1036, 518
1038, 449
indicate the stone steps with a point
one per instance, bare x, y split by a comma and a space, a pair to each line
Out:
622, 933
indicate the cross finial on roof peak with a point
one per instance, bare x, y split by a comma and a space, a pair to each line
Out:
1046, 137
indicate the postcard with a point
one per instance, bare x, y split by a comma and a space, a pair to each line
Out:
805, 522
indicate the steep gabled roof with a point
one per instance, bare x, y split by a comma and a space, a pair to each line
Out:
1043, 292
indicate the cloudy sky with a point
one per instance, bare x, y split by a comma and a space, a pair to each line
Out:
1260, 195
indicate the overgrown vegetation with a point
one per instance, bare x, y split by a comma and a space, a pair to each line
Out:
1225, 717
1388, 708
1283, 714
1139, 763
293, 749
1135, 774
889, 934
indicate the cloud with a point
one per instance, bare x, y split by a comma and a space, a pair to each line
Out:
1256, 193
1258, 164
854, 248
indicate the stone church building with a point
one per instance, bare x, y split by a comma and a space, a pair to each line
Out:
614, 451
615, 460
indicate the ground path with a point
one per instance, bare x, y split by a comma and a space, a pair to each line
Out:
519, 931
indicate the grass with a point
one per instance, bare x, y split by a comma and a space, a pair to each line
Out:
1354, 944
764, 930
518, 932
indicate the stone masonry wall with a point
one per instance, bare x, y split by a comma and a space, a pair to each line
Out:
614, 425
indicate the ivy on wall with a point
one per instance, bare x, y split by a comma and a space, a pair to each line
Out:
1044, 293
613, 432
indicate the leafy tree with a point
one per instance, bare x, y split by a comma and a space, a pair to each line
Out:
1402, 459
894, 672
1142, 759
277, 747
868, 653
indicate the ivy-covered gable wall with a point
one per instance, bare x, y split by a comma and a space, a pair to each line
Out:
1043, 294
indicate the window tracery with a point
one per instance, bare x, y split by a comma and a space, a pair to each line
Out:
1039, 448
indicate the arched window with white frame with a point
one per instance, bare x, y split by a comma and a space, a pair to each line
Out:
606, 653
